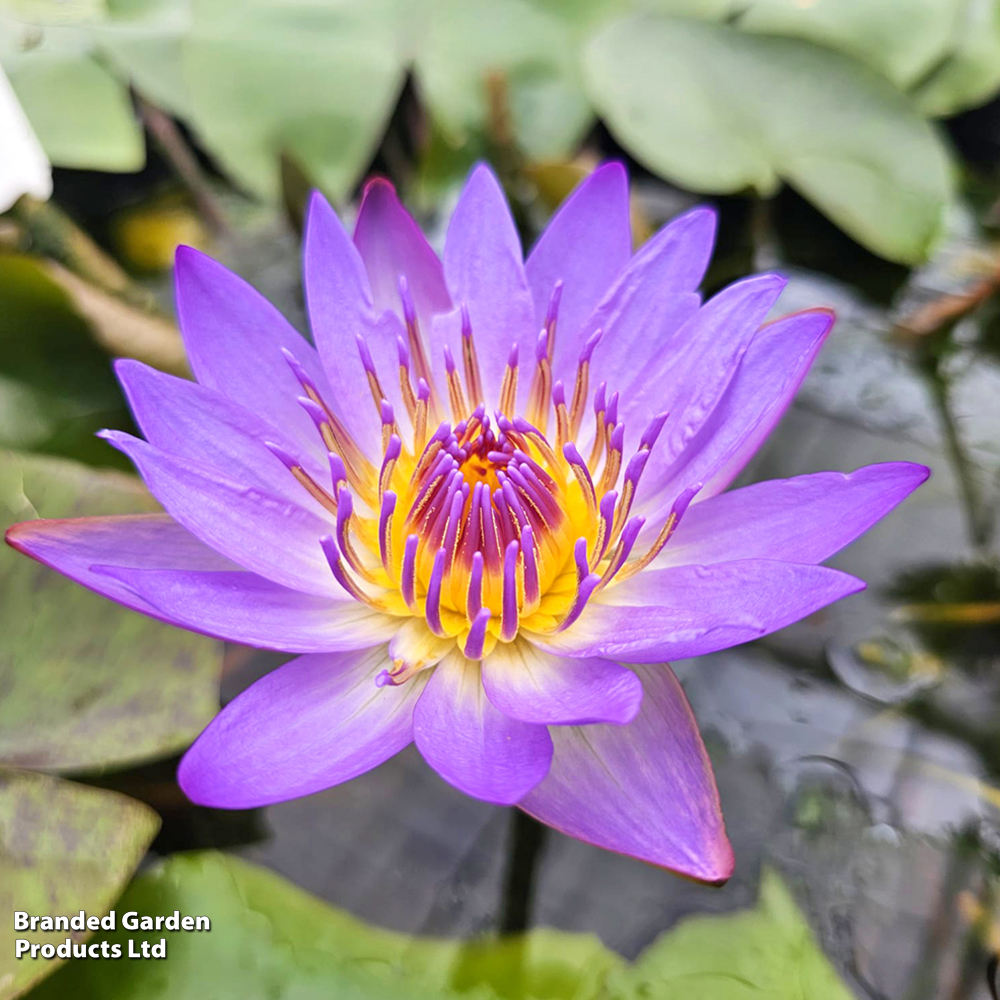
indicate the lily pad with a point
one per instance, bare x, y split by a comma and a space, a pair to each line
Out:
767, 952
56, 385
87, 683
970, 72
270, 939
903, 40
79, 110
718, 110
63, 847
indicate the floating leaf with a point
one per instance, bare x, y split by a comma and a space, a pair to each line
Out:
317, 82
767, 952
718, 110
529, 53
87, 683
970, 74
80, 112
271, 939
902, 40
63, 847
56, 385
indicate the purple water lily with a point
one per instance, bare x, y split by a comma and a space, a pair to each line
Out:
486, 508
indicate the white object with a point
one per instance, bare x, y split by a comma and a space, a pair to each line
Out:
24, 167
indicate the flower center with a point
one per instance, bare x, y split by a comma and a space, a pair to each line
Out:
494, 523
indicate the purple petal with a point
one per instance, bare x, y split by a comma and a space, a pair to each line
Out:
688, 381
339, 301
804, 520
313, 723
587, 243
529, 684
392, 245
645, 789
643, 312
473, 745
201, 425
263, 533
682, 611
768, 377
145, 541
246, 608
485, 270
234, 337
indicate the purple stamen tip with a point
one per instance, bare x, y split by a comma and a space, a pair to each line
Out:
574, 457
466, 322
613, 409
383, 679
409, 310
338, 470
636, 465
587, 586
476, 641
449, 360
423, 390
366, 355
618, 437
588, 348
553, 311
600, 401
542, 346
394, 448
608, 502
433, 612
388, 414
558, 394
580, 556
279, 453
652, 432
315, 411
404, 353
512, 357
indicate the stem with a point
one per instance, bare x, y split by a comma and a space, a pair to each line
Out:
52, 233
170, 141
525, 843
977, 518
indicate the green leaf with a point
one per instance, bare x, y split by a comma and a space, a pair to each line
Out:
527, 51
767, 952
970, 74
317, 82
56, 385
270, 939
87, 683
81, 113
902, 40
717, 110
63, 847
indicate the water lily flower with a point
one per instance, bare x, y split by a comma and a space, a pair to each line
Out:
486, 507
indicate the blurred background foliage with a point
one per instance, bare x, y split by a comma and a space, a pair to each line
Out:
854, 145
710, 94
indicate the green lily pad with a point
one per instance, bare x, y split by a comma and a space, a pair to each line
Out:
63, 847
57, 388
528, 51
79, 110
903, 40
87, 683
269, 939
318, 82
766, 952
970, 72
719, 110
